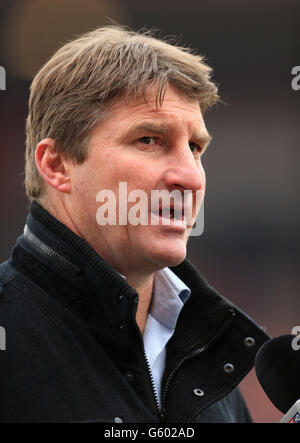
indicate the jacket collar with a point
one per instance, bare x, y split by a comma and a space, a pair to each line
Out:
90, 288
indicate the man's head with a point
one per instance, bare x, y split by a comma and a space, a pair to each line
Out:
73, 90
117, 106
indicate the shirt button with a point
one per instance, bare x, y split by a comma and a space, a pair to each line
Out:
118, 420
122, 328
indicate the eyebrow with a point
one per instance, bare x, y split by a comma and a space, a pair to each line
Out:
155, 128
152, 127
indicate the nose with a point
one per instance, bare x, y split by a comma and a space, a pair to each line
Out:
184, 172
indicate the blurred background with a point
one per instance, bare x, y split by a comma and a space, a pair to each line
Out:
250, 248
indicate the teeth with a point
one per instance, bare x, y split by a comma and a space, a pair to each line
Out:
178, 214
169, 213
172, 213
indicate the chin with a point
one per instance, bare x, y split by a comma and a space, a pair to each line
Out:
159, 250
169, 256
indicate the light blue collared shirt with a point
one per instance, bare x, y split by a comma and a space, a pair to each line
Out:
169, 296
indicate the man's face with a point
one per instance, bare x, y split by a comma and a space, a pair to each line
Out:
149, 148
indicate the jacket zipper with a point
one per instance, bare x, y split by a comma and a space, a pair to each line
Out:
154, 391
153, 386
192, 354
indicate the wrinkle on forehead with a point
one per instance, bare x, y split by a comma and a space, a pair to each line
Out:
150, 99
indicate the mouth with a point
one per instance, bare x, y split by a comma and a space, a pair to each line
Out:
170, 216
171, 213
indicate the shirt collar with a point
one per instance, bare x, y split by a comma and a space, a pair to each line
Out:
169, 295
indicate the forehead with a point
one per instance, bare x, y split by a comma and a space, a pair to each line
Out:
177, 114
174, 106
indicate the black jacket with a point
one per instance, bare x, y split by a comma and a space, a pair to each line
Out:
74, 352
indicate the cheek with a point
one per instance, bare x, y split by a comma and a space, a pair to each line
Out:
84, 185
98, 174
137, 174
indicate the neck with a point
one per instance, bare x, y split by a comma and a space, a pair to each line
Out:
141, 282
144, 288
60, 212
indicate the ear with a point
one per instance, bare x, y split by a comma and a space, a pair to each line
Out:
52, 166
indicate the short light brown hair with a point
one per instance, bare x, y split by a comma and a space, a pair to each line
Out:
69, 95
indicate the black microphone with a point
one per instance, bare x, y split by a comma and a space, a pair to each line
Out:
277, 365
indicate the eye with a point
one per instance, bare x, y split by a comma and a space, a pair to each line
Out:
195, 148
147, 140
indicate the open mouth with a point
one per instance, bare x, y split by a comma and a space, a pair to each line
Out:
169, 215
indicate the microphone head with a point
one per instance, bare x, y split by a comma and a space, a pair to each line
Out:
277, 365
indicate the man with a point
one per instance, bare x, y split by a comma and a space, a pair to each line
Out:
109, 322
